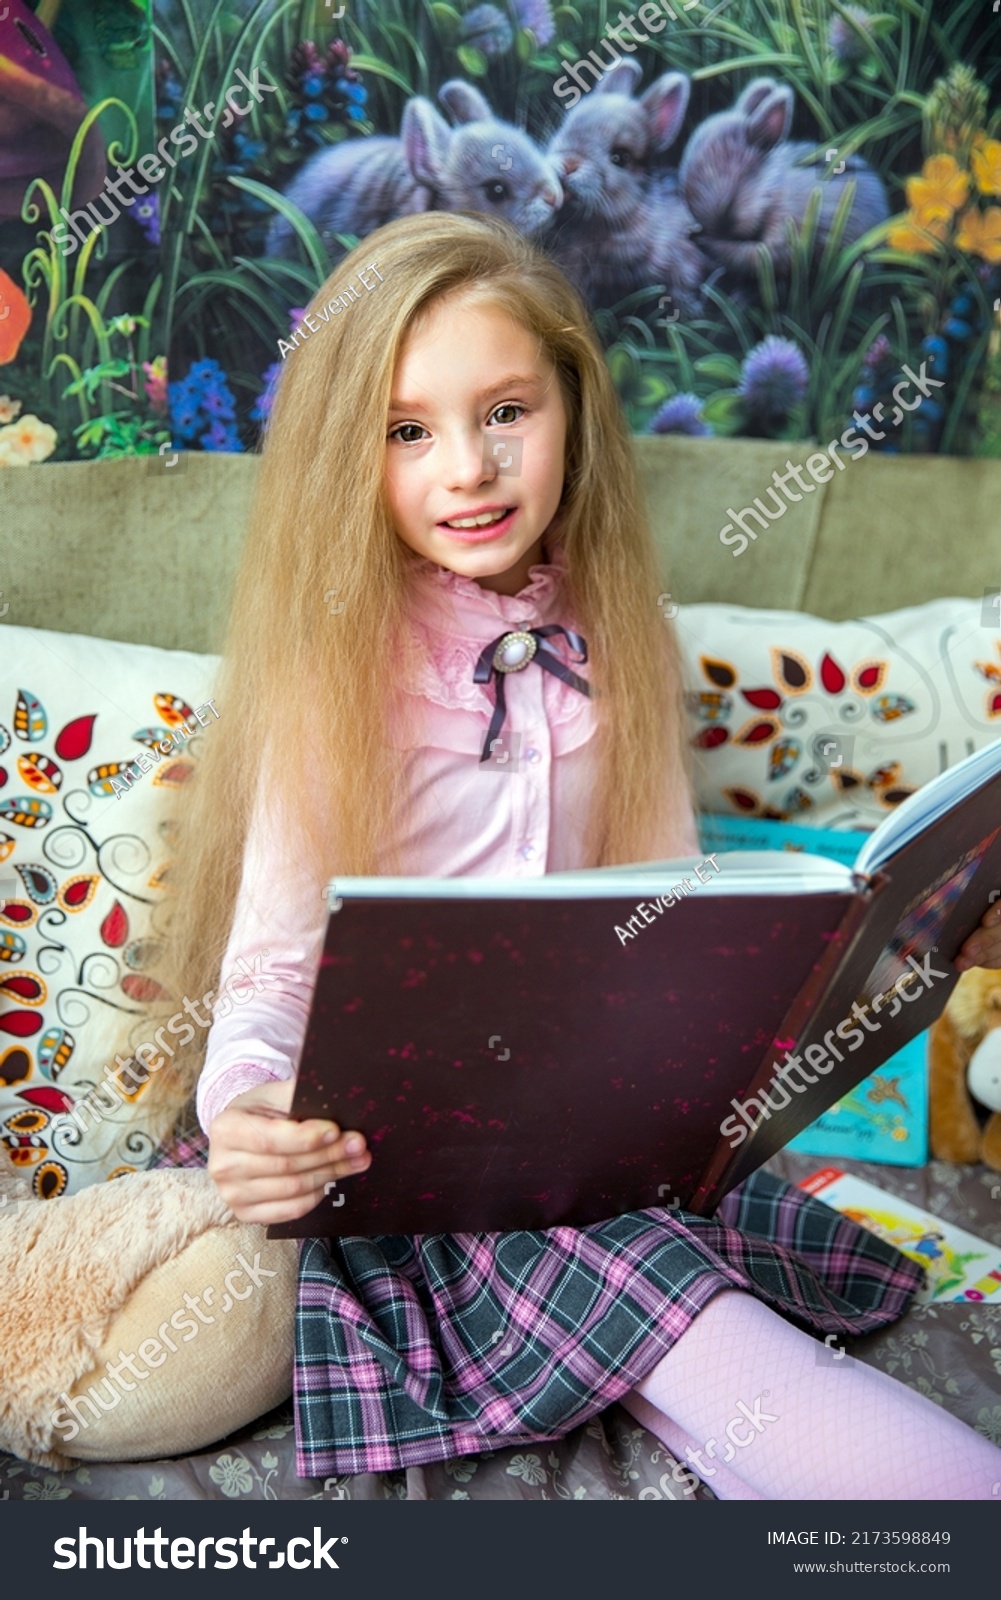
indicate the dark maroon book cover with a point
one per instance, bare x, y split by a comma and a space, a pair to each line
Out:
513, 1064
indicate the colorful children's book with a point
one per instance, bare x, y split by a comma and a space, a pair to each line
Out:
524, 1052
959, 1265
885, 1118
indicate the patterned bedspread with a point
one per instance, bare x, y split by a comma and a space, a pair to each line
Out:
950, 1352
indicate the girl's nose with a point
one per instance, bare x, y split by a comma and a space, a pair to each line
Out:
470, 461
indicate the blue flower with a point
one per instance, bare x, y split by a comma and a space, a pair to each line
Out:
681, 414
774, 379
205, 371
204, 397
184, 418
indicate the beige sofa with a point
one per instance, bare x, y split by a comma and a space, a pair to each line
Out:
137, 550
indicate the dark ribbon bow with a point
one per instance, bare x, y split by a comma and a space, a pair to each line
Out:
487, 667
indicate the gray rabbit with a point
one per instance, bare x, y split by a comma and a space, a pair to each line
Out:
483, 165
740, 179
623, 225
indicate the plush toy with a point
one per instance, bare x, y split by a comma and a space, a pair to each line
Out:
141, 1319
964, 1058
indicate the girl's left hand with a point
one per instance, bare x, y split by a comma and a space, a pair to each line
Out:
983, 947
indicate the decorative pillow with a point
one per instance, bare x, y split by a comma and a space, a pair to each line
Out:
93, 745
834, 723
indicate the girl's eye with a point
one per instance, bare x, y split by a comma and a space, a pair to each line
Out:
509, 405
400, 429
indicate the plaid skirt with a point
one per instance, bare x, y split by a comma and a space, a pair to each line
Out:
410, 1350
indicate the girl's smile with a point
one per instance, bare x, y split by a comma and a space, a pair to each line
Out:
474, 460
476, 527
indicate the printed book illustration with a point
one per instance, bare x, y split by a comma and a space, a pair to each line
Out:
528, 1052
884, 1118
958, 1264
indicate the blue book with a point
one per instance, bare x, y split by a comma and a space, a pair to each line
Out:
885, 1118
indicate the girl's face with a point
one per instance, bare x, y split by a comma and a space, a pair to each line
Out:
476, 430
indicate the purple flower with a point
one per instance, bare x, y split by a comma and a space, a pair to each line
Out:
536, 15
774, 379
218, 403
681, 414
260, 411
878, 353
221, 436
147, 215
488, 29
844, 43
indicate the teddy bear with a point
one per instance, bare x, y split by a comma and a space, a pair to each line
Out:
964, 1064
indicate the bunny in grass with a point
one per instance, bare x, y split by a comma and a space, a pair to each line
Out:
483, 165
380, 475
623, 225
744, 183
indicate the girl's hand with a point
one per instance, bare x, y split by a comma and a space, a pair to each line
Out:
270, 1169
983, 947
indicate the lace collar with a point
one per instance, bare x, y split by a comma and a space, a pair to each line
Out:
454, 618
458, 606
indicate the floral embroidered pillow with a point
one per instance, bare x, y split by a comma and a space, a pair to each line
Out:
834, 723
96, 738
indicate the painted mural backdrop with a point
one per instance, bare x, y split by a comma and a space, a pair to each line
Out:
785, 217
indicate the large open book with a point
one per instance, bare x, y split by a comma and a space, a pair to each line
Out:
523, 1053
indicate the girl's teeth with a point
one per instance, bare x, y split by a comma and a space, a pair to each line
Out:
476, 522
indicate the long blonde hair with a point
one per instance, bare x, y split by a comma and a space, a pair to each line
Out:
304, 678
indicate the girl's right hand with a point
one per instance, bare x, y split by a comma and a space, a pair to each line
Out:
269, 1168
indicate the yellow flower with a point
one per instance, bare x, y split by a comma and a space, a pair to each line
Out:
919, 234
980, 233
26, 441
942, 183
986, 164
9, 409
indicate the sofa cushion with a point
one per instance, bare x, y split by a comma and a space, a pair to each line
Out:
84, 860
834, 723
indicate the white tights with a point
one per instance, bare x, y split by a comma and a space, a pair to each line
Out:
805, 1426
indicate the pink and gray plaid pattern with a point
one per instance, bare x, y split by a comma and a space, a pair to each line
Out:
186, 1147
410, 1350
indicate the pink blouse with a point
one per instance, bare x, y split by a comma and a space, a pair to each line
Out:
517, 818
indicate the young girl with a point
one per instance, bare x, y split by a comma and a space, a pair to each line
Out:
446, 464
